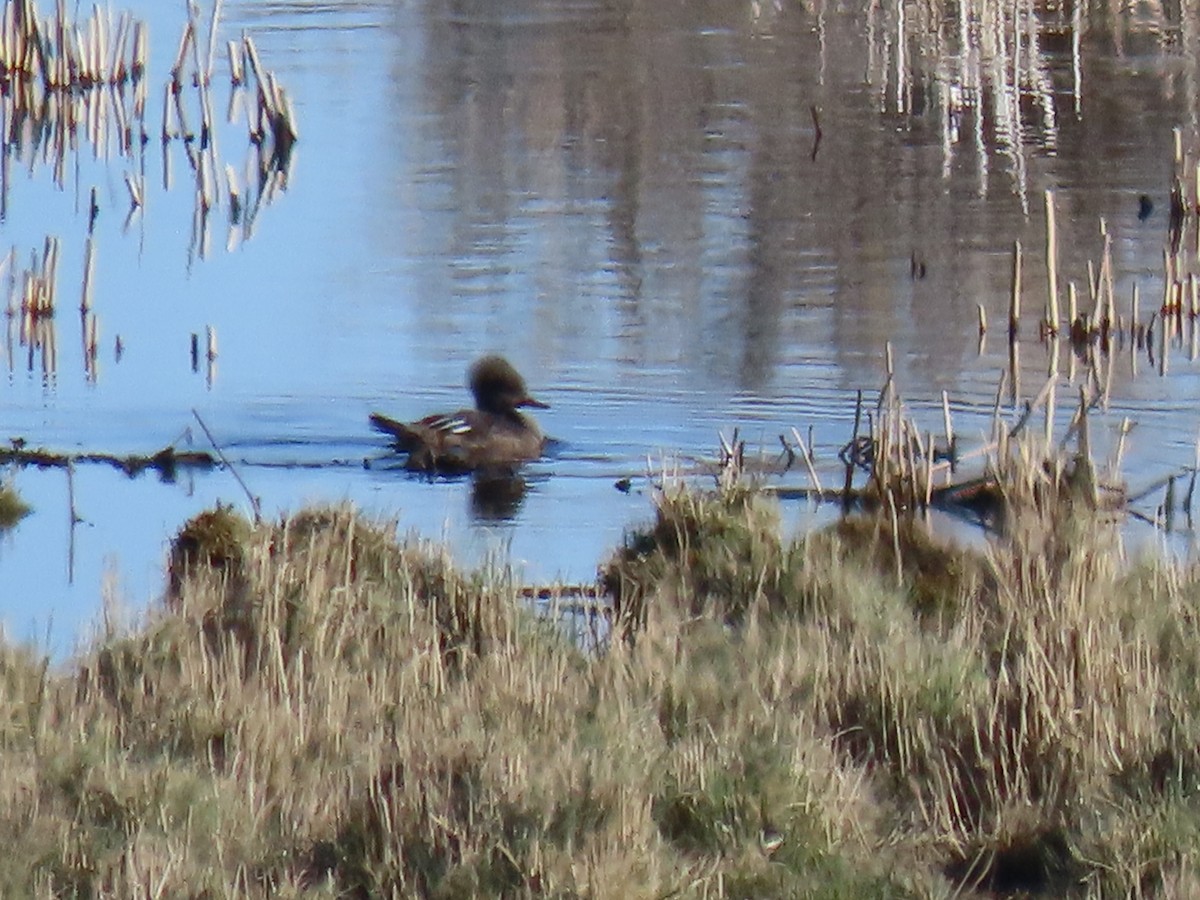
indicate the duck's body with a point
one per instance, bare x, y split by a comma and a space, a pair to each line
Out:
493, 436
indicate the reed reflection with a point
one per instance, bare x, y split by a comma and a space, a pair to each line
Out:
649, 174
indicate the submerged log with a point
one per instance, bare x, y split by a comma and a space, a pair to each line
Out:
166, 462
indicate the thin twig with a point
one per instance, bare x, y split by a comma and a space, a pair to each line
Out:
254, 504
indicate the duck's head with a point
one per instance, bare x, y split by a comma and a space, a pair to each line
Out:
498, 387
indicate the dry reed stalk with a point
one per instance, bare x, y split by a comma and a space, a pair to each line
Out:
204, 185
1000, 385
91, 343
1052, 380
212, 41
891, 500
1014, 299
1196, 197
237, 74
141, 50
808, 462
1122, 432
1164, 342
117, 67
135, 191
1134, 325
89, 262
50, 267
890, 372
913, 452
202, 77
1110, 292
1093, 281
167, 132
235, 199
946, 423
185, 131
1051, 264
1099, 300
187, 37
982, 319
1169, 270
928, 494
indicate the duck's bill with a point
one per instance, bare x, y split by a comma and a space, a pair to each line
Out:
536, 404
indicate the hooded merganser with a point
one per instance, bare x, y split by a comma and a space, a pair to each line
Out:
492, 436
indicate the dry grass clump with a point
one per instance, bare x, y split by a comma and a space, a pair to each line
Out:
1028, 713
337, 714
12, 508
318, 710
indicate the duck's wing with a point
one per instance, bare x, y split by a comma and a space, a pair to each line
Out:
402, 433
431, 432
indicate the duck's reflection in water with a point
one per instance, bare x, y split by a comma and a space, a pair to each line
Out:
496, 497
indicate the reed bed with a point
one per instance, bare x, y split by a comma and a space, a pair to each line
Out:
31, 304
62, 79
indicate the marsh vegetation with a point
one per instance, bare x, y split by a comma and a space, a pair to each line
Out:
317, 709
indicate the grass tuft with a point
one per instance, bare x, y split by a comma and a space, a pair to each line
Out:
12, 508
